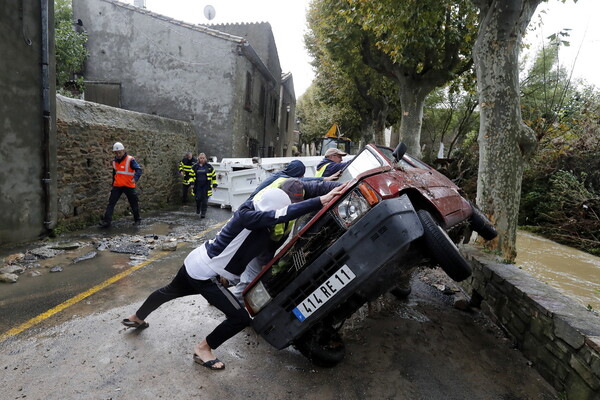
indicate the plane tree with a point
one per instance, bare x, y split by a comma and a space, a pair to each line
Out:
505, 141
343, 79
419, 45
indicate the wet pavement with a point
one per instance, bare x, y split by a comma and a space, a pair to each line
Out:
418, 348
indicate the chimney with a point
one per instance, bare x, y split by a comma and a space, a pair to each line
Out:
139, 3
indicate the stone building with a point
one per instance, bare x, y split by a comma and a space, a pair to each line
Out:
225, 79
27, 114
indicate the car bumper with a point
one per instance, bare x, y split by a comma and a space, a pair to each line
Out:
383, 234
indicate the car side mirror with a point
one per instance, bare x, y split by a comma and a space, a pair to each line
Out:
399, 151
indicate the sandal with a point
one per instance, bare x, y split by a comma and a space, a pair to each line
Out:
208, 364
132, 324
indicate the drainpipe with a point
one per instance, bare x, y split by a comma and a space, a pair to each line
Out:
46, 114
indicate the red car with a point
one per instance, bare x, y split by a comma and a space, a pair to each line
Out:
396, 213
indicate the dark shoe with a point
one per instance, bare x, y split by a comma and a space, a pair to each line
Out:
104, 224
208, 364
197, 211
133, 324
203, 216
137, 222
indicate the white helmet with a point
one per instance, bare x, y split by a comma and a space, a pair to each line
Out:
272, 199
118, 146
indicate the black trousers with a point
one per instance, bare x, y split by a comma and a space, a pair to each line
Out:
213, 292
201, 202
115, 194
184, 192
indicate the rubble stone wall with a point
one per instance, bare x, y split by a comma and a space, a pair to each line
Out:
86, 133
560, 337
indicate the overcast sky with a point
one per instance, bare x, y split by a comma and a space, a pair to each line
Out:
287, 19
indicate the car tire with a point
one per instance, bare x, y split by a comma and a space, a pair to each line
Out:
323, 347
443, 249
482, 225
401, 292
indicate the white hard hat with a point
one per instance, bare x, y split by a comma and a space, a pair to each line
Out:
118, 146
272, 199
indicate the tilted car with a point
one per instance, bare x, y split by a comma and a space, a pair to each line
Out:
396, 214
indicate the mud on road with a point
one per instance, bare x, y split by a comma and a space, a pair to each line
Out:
418, 348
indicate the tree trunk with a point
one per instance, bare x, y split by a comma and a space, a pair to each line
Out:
505, 142
380, 117
394, 136
412, 101
368, 132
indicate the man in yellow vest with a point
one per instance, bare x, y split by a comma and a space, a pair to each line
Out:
187, 174
126, 172
332, 163
297, 190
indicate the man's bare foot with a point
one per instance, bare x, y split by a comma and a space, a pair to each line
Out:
205, 354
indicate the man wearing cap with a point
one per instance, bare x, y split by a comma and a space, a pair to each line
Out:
332, 163
126, 172
295, 169
242, 239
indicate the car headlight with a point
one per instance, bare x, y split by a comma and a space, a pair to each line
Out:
356, 204
257, 297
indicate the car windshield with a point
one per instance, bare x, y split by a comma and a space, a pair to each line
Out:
364, 161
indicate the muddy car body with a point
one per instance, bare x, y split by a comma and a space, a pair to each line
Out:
395, 214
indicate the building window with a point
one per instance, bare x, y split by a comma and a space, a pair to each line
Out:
248, 101
274, 111
262, 101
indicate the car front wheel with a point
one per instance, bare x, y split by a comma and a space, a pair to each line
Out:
323, 346
443, 249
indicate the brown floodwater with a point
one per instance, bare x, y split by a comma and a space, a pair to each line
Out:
573, 272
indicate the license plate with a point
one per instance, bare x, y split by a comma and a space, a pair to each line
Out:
323, 293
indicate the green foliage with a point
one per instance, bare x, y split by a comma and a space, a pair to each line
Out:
449, 117
358, 98
365, 52
419, 38
70, 49
561, 185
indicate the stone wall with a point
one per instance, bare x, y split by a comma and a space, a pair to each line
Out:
85, 135
559, 336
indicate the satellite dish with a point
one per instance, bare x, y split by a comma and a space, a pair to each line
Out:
209, 12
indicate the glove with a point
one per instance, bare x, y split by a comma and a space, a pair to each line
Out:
215, 185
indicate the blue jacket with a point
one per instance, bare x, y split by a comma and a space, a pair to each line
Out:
332, 166
247, 234
295, 169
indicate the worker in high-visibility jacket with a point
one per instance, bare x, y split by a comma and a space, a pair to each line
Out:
297, 190
205, 180
332, 163
187, 174
126, 172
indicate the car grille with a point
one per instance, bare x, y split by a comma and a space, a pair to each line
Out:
315, 281
306, 249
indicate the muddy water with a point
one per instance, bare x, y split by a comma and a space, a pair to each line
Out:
33, 295
573, 272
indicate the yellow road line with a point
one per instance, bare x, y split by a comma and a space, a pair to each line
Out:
89, 292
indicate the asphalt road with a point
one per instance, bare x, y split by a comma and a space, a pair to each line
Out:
418, 348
